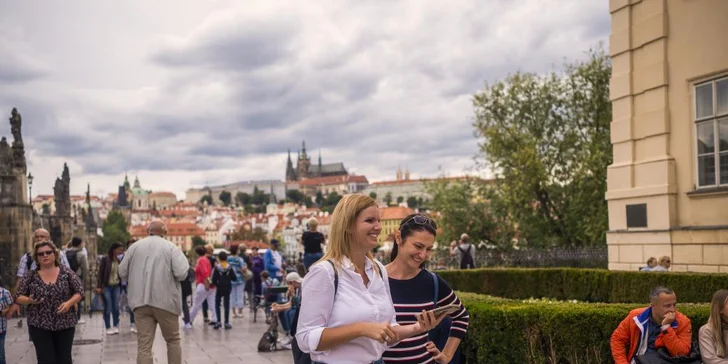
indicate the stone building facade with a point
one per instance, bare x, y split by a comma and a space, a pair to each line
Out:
668, 185
15, 209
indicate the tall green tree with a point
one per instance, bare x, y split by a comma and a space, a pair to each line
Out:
412, 202
198, 241
115, 230
388, 198
226, 198
206, 199
462, 209
400, 199
295, 196
373, 195
546, 139
242, 198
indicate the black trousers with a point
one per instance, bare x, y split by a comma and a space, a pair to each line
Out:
204, 309
52, 347
225, 298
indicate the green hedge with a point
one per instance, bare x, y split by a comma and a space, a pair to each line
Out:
538, 331
588, 285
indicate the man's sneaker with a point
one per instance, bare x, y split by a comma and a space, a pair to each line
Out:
207, 320
116, 329
109, 332
81, 322
212, 323
133, 328
216, 326
286, 346
228, 326
188, 326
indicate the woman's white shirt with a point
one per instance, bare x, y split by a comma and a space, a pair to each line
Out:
354, 303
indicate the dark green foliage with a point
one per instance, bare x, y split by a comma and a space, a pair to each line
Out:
538, 331
588, 285
225, 198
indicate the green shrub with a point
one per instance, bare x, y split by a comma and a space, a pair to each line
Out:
588, 285
540, 331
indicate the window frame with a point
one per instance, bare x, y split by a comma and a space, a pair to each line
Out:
715, 119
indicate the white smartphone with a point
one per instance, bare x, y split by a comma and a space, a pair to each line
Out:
448, 309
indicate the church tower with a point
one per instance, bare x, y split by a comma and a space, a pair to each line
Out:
304, 163
290, 172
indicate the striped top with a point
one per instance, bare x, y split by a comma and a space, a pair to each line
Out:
411, 297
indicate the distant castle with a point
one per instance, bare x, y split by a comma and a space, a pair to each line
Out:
304, 170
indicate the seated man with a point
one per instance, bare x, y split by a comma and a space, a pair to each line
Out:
647, 329
287, 310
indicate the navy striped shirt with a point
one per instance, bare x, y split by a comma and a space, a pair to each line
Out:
411, 297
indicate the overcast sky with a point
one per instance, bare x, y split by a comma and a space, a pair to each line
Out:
188, 93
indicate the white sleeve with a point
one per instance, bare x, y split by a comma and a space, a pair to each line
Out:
317, 300
385, 278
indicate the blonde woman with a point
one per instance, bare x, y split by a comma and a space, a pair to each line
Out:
347, 315
52, 293
312, 240
714, 335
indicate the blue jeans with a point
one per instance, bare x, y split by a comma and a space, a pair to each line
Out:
310, 258
286, 318
111, 305
2, 348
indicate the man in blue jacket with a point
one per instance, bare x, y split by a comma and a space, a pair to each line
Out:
274, 260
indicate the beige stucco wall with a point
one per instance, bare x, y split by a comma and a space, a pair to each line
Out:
660, 49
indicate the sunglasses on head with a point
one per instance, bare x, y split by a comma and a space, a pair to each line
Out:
420, 220
47, 252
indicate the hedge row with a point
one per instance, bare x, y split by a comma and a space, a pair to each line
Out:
588, 285
538, 331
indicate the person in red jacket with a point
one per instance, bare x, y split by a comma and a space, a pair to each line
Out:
647, 329
204, 291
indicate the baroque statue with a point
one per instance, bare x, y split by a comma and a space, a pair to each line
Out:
16, 122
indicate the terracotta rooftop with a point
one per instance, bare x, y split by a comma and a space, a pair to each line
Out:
394, 213
333, 180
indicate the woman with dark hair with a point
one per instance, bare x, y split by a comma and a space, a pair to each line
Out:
109, 283
52, 293
415, 289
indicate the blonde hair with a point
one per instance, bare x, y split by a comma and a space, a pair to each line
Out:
312, 223
209, 248
342, 230
53, 247
714, 321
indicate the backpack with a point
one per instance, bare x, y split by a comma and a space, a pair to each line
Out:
224, 279
299, 357
72, 256
466, 261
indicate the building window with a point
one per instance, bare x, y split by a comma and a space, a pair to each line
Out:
711, 120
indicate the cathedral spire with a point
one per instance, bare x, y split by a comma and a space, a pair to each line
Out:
303, 149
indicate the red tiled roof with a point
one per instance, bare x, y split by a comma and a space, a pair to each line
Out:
248, 243
333, 180
162, 194
402, 182
394, 213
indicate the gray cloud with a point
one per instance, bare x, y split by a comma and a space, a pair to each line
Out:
375, 84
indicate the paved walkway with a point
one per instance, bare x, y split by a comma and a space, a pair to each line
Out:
202, 344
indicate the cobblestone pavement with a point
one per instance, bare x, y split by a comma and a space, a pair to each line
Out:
202, 344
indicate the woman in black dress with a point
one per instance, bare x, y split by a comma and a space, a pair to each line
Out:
312, 241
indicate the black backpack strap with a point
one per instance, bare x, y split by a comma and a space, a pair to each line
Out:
436, 282
336, 277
